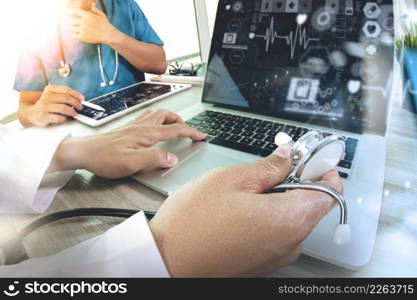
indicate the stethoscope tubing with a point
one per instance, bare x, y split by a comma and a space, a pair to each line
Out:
318, 188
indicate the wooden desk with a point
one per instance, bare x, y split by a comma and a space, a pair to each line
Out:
396, 244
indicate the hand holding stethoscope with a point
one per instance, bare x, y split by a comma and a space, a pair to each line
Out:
90, 27
313, 156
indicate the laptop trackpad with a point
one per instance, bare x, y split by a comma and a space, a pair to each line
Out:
195, 159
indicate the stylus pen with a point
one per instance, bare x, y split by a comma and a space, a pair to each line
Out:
93, 106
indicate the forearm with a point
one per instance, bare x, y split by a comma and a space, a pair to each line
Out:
145, 57
70, 155
24, 112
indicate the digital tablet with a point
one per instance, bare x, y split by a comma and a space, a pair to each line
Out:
108, 107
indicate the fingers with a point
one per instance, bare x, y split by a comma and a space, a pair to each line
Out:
160, 117
332, 179
324, 202
63, 95
77, 22
62, 109
152, 135
152, 157
77, 13
318, 203
56, 119
305, 208
77, 25
95, 10
264, 174
56, 100
76, 36
168, 117
65, 99
143, 115
61, 89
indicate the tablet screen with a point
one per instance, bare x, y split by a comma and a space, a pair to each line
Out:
124, 99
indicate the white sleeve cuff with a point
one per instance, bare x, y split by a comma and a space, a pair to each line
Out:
27, 155
127, 250
50, 185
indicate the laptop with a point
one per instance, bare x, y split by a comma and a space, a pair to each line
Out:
296, 66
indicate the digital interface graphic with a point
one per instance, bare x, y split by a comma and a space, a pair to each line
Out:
324, 62
124, 99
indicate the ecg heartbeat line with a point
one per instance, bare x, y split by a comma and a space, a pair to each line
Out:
300, 37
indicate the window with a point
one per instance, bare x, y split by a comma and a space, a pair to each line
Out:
175, 23
211, 12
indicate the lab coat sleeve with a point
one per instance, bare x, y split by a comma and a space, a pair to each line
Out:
127, 250
25, 156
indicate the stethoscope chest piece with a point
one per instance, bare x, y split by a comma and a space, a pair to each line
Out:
314, 155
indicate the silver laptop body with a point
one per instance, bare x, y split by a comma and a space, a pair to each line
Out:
247, 78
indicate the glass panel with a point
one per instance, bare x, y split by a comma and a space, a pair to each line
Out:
322, 62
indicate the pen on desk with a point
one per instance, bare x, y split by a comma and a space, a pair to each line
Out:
93, 106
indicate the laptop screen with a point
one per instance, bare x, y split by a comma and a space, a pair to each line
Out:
322, 62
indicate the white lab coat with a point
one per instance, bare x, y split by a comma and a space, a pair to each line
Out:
127, 250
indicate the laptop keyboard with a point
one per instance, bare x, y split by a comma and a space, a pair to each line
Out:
255, 136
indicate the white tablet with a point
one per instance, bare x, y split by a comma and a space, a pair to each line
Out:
108, 107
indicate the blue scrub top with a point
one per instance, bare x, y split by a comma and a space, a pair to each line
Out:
38, 66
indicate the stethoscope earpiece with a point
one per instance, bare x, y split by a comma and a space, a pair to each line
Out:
105, 84
342, 234
313, 156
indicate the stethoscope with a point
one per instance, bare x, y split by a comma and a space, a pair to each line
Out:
65, 70
314, 155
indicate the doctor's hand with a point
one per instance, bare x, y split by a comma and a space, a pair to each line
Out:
54, 104
221, 225
127, 150
91, 26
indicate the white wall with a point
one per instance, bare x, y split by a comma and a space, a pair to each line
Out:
174, 21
